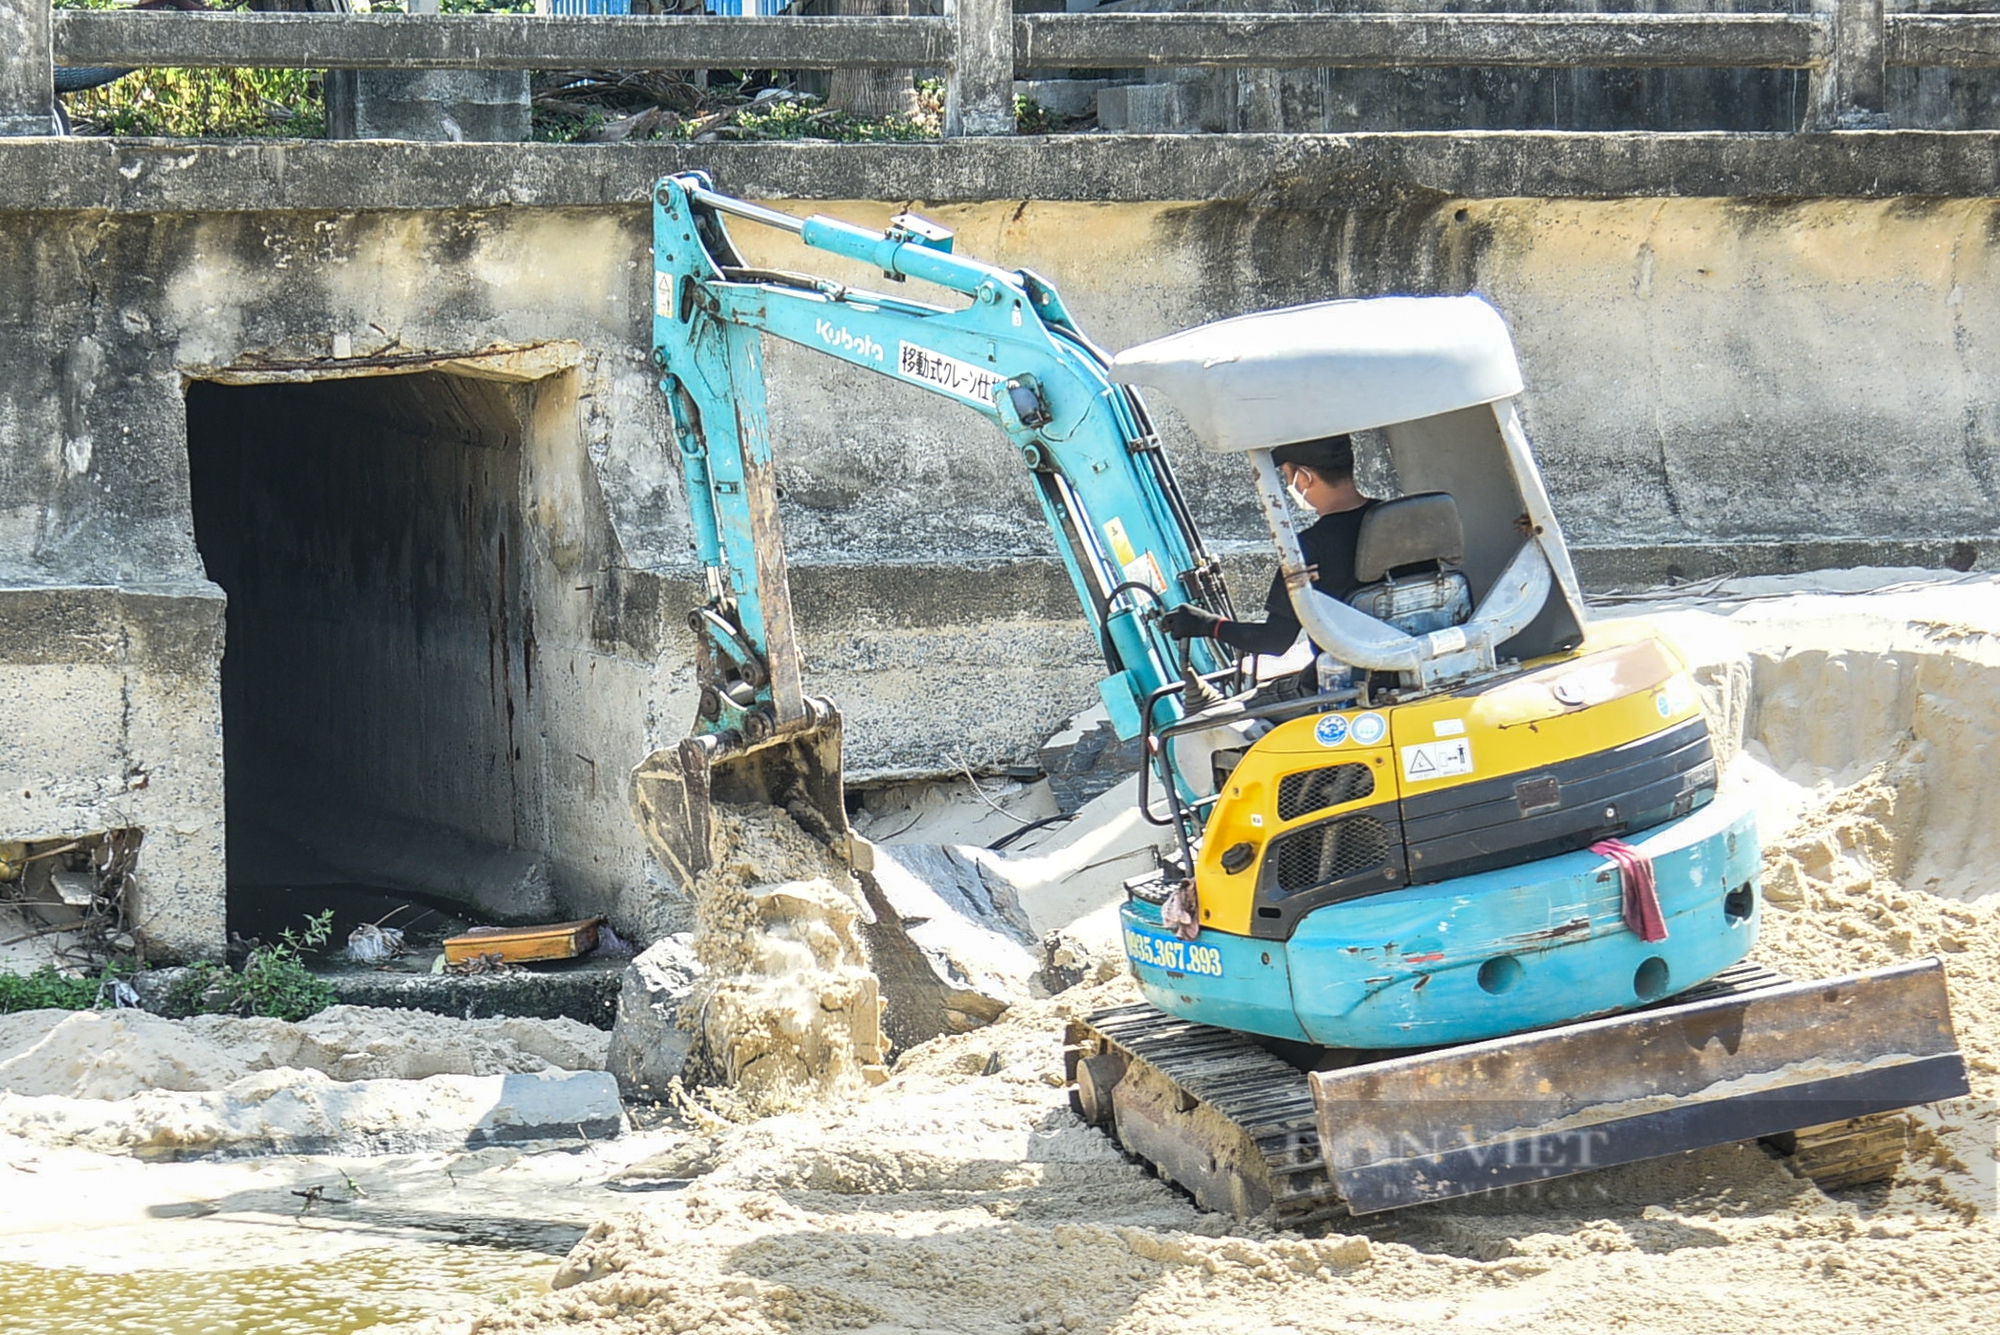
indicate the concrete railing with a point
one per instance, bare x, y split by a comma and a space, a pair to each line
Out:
981, 44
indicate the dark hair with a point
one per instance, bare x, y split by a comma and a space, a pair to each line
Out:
1329, 455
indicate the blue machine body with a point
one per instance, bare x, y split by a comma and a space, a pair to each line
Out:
1476, 957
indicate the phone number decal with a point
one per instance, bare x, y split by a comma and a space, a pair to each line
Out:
1173, 954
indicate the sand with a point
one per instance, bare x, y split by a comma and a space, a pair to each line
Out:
787, 1011
964, 1196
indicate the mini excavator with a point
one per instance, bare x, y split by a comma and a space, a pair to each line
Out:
1394, 957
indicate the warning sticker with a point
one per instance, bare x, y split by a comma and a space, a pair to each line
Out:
1137, 567
1437, 760
971, 383
1121, 544
1146, 570
663, 295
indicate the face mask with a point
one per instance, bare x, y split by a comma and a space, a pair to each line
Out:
1298, 496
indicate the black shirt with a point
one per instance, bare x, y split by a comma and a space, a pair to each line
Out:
1329, 545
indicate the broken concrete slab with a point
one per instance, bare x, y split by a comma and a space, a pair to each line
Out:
950, 942
1086, 759
649, 1046
306, 1112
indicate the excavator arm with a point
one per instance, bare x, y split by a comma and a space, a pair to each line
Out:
1010, 353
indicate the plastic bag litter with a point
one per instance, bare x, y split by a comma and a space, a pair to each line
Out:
372, 944
120, 993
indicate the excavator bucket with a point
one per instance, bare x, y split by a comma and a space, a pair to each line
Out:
675, 791
1741, 1065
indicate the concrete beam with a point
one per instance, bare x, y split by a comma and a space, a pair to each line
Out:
1959, 41
1848, 92
493, 41
1269, 171
1402, 41
27, 72
979, 99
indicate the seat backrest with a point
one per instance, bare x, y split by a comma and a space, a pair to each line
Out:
1408, 531
1406, 558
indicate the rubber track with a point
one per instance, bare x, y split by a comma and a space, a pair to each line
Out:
1857, 1153
1268, 1097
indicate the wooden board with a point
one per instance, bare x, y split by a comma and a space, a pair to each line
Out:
521, 945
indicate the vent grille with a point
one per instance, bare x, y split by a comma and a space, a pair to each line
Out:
1313, 790
1333, 851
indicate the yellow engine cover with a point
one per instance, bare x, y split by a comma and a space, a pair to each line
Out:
1613, 691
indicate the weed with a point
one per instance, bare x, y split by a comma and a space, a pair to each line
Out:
274, 981
1031, 117
46, 989
804, 119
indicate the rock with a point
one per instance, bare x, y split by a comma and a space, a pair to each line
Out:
1071, 957
648, 1044
1085, 759
950, 943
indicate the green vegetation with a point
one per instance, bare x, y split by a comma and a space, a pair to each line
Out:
804, 118
1031, 117
611, 106
226, 103
274, 981
46, 989
205, 104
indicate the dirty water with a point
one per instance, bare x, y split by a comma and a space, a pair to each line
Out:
336, 1296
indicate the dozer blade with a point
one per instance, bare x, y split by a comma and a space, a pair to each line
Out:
675, 792
1514, 1111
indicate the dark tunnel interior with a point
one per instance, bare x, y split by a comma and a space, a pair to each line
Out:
367, 534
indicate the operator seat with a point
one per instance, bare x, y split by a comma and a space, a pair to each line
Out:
1407, 560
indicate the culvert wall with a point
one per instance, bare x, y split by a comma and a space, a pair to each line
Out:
1713, 383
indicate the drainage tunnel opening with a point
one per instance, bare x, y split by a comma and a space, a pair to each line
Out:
367, 534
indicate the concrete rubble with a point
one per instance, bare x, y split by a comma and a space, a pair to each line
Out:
949, 941
649, 1035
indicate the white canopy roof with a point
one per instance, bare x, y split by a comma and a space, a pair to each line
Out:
1274, 377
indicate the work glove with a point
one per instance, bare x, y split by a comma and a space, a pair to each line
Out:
1188, 622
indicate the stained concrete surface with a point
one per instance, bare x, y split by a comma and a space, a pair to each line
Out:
1274, 171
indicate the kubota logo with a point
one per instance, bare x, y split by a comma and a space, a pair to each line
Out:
841, 337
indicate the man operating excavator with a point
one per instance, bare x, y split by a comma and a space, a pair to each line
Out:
1320, 475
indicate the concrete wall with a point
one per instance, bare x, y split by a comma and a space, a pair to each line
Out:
1714, 382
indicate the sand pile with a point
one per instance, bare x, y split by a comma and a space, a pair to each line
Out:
963, 1196
117, 1054
353, 1079
787, 1010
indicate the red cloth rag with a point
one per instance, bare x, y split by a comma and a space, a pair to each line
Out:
1642, 894
1182, 911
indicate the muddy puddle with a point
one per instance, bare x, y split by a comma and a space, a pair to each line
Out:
332, 1297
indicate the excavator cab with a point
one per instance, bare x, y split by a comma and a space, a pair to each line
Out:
1431, 892
1414, 841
